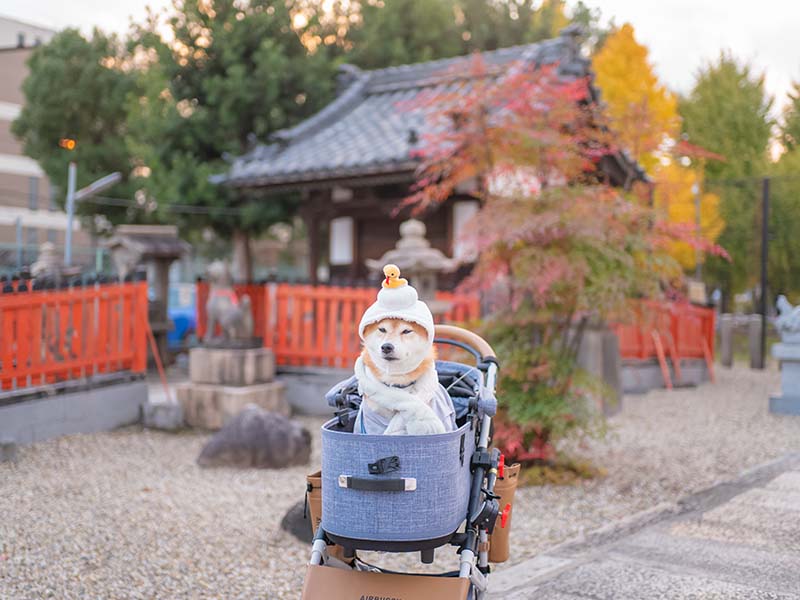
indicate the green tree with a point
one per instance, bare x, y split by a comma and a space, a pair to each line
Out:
399, 32
407, 31
76, 89
727, 112
231, 75
784, 223
790, 127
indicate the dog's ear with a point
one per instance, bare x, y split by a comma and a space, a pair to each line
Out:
419, 329
369, 329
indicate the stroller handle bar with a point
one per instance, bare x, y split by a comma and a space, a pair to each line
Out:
468, 338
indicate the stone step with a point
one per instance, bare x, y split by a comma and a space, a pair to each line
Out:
613, 578
782, 537
728, 561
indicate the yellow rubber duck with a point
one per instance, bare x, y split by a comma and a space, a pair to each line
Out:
393, 279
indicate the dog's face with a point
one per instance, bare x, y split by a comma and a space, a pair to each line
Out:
396, 346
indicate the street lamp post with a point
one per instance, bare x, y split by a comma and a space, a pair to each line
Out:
71, 174
76, 196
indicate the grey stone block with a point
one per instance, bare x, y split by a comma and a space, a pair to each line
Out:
8, 450
164, 414
598, 355
231, 366
785, 405
639, 376
754, 342
726, 331
210, 406
306, 388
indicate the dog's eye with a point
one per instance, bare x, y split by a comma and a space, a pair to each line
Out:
382, 329
405, 331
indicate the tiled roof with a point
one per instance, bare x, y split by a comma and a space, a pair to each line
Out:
366, 130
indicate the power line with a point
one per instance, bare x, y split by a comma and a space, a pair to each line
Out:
126, 203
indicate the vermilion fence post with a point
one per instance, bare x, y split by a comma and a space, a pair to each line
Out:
140, 327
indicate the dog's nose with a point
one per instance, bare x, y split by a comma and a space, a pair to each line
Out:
387, 348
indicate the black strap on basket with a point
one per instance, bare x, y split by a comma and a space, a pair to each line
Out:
390, 464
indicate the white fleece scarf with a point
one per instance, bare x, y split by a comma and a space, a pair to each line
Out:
410, 414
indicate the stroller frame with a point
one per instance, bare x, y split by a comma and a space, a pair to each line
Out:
483, 507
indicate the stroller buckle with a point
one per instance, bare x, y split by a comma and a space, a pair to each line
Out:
390, 464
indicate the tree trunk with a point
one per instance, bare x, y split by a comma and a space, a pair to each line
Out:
242, 268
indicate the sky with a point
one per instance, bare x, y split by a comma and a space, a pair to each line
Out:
682, 35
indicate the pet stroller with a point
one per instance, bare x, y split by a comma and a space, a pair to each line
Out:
413, 493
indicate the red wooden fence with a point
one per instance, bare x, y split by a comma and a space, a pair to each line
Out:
316, 325
308, 325
687, 328
49, 336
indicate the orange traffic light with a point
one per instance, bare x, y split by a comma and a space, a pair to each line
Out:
67, 143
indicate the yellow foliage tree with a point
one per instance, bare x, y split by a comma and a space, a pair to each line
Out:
644, 115
674, 193
643, 112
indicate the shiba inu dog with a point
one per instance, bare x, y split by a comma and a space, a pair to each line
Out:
396, 371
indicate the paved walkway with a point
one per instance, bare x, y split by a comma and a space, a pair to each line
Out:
736, 540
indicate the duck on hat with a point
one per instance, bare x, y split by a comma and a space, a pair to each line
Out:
397, 300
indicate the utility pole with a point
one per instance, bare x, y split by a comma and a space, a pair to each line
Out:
20, 249
764, 257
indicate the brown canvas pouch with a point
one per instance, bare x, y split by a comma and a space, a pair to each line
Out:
314, 505
505, 488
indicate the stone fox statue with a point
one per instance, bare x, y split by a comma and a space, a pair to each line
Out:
788, 321
224, 308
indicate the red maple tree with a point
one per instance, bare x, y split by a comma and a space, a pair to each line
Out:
556, 246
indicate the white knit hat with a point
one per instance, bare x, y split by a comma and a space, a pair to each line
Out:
398, 303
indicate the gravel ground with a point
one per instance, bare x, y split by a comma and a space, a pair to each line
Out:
128, 514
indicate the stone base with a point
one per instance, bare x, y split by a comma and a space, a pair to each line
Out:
8, 451
784, 405
641, 376
306, 387
230, 366
100, 408
162, 415
210, 406
225, 344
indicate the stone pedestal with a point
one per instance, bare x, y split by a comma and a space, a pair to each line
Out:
599, 355
231, 366
788, 403
224, 381
726, 330
757, 359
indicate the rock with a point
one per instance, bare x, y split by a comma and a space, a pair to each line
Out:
297, 521
162, 414
257, 438
8, 450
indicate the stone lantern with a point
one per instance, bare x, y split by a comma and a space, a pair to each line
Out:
418, 262
156, 247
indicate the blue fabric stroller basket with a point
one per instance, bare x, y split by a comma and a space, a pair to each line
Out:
386, 488
401, 493
423, 496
